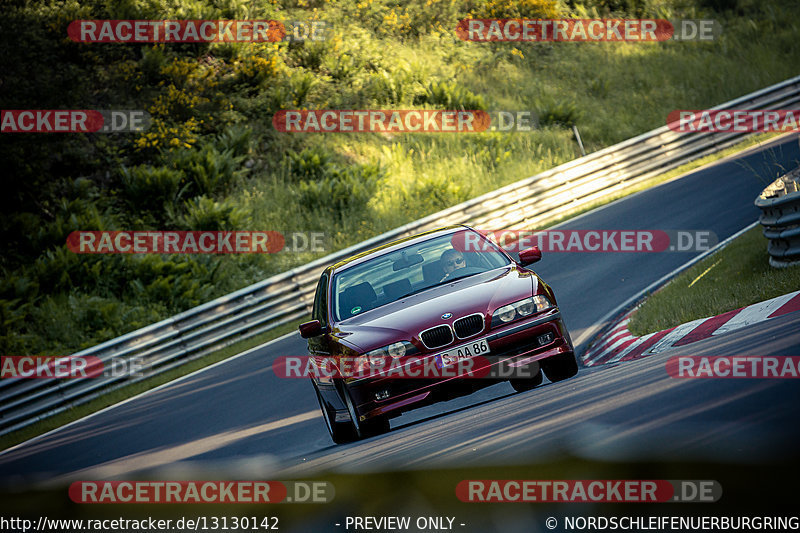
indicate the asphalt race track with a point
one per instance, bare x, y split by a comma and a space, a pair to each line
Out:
239, 412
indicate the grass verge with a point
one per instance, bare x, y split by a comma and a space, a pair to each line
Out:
736, 276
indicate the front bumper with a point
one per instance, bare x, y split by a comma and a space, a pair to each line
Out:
512, 346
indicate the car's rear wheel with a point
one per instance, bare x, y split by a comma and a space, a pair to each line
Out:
526, 384
341, 432
367, 428
560, 367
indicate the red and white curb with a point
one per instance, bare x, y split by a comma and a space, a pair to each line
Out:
620, 345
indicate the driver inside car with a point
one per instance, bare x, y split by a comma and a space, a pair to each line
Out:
451, 261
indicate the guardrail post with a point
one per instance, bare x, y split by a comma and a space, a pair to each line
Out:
578, 138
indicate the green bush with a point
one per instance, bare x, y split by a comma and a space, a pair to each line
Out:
342, 66
495, 150
308, 54
391, 88
301, 86
209, 170
154, 59
550, 113
57, 270
309, 164
433, 193
205, 214
340, 191
148, 188
235, 139
449, 95
178, 282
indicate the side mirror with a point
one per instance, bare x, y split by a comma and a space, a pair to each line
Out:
529, 256
311, 329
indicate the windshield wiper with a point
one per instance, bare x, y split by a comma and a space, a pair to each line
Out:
463, 276
444, 281
421, 290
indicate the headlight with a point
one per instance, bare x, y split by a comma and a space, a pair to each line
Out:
519, 309
395, 350
363, 363
526, 307
506, 313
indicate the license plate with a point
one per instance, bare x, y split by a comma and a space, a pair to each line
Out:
461, 353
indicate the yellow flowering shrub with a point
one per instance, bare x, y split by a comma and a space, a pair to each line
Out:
175, 103
545, 9
394, 24
162, 135
254, 70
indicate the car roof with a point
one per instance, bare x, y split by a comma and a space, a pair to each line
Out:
396, 245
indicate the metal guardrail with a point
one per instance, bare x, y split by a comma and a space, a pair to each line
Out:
288, 296
780, 217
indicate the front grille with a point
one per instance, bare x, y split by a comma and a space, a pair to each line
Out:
437, 337
468, 326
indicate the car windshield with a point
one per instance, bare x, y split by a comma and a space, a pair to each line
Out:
413, 269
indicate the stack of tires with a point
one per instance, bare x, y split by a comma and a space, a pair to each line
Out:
780, 217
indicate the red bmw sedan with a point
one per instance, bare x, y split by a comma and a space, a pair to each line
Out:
450, 311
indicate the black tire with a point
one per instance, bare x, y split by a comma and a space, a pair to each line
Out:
526, 384
341, 432
560, 367
368, 428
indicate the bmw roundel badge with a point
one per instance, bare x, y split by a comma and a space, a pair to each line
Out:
446, 316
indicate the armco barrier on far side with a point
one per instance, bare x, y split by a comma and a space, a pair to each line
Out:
288, 296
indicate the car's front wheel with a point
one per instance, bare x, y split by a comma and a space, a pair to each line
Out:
367, 428
341, 432
526, 384
560, 367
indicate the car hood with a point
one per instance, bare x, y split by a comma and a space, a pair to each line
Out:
404, 319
